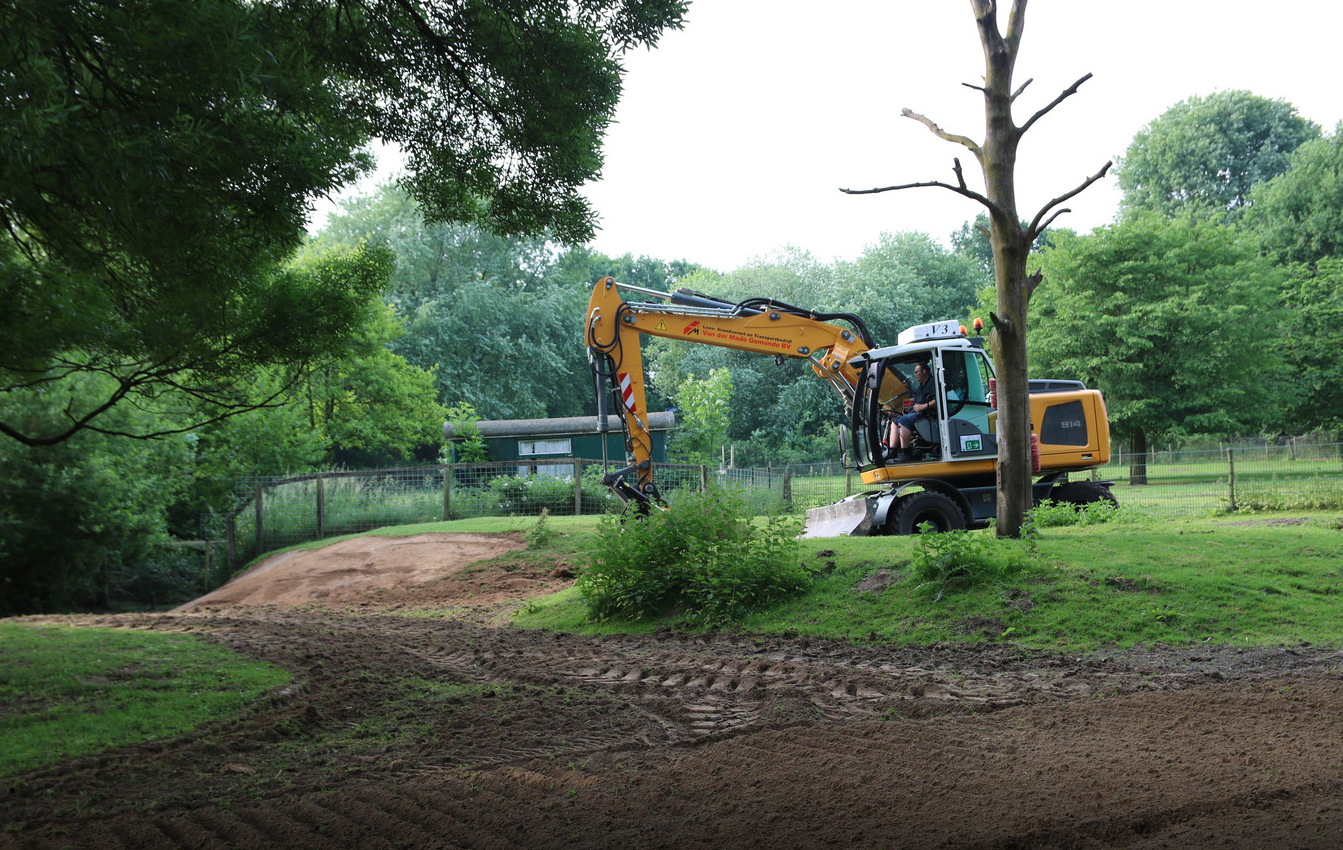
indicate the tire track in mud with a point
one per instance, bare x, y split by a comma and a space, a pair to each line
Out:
696, 693
692, 741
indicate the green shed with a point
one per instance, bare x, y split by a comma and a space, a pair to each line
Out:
531, 442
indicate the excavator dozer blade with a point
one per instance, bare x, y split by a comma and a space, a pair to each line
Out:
851, 517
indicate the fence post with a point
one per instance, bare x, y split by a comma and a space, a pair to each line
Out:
1231, 479
787, 489
578, 487
205, 585
447, 492
703, 478
321, 508
231, 533
260, 533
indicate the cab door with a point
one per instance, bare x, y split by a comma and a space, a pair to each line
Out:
965, 417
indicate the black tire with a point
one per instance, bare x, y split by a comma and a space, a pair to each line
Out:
1079, 494
928, 506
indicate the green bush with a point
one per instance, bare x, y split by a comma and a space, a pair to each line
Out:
1314, 494
702, 556
515, 494
1051, 514
956, 560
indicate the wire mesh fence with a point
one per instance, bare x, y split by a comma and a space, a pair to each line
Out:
276, 512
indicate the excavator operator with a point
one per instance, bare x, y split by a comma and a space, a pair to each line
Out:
924, 403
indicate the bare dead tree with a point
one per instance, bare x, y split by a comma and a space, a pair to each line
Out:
1011, 241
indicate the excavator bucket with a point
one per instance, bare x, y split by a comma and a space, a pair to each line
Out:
850, 517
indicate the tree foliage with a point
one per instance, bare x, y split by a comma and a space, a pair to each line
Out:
1205, 154
1299, 213
1311, 341
500, 106
74, 514
1164, 318
369, 404
703, 425
160, 159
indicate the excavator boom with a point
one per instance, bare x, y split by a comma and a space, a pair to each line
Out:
759, 325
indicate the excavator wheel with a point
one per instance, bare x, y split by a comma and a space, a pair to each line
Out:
926, 506
1079, 494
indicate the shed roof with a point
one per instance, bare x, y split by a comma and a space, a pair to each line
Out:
567, 426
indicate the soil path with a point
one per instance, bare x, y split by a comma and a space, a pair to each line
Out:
444, 731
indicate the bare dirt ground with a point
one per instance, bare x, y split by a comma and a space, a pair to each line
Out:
404, 728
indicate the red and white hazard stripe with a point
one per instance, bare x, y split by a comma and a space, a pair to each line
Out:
627, 390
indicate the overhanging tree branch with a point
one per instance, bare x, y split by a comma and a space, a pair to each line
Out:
1036, 228
960, 190
1064, 95
967, 142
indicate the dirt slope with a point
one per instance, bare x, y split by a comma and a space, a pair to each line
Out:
442, 731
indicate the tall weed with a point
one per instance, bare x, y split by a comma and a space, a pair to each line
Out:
702, 556
957, 560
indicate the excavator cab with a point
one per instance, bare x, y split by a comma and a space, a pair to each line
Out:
963, 426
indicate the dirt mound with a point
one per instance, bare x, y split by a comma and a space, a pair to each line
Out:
363, 569
439, 731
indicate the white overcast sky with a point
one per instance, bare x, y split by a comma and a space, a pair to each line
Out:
733, 136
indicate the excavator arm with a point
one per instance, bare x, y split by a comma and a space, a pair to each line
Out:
760, 325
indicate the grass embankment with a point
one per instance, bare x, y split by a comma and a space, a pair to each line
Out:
67, 692
1178, 582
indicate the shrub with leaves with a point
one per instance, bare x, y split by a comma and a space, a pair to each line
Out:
956, 560
1314, 494
541, 533
519, 495
702, 555
1051, 514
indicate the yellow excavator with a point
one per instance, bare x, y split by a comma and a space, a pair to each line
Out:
945, 475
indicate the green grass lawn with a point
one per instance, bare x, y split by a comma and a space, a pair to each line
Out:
66, 692
1173, 581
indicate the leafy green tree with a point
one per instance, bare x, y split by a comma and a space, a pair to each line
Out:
1167, 319
73, 515
433, 259
1205, 154
156, 348
511, 354
369, 404
907, 279
500, 107
702, 428
1299, 213
1312, 340
160, 159
468, 442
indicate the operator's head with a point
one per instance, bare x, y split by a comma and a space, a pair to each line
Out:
921, 372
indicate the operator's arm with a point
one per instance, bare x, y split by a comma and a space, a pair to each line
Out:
927, 399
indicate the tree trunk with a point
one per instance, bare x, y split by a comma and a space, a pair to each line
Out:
997, 157
1137, 464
